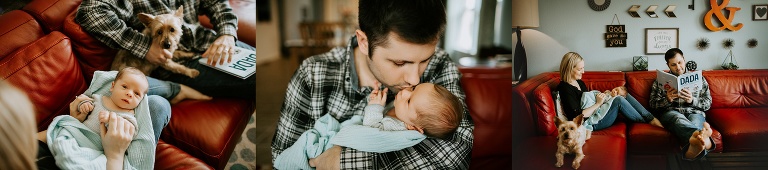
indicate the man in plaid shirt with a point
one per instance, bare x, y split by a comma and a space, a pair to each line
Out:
683, 112
116, 24
397, 47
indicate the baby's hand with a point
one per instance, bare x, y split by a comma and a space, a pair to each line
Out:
378, 97
104, 116
86, 107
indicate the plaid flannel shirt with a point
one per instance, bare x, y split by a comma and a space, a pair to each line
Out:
116, 23
328, 84
702, 100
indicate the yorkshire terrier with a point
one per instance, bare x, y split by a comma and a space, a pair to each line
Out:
572, 135
166, 30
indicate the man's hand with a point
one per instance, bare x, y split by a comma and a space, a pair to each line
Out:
221, 49
330, 159
158, 55
117, 136
80, 112
686, 95
672, 95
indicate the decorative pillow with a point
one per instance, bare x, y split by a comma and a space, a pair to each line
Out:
558, 107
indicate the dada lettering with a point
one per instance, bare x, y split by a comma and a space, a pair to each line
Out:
245, 63
691, 78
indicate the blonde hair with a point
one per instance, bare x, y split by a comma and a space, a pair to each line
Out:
567, 65
444, 114
17, 128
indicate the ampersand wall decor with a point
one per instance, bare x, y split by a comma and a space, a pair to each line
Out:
725, 21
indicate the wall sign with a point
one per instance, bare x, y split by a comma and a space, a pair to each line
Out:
717, 11
659, 40
615, 36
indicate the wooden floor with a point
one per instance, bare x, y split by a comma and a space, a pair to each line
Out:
271, 83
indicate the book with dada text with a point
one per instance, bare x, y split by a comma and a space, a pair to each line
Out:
691, 80
243, 63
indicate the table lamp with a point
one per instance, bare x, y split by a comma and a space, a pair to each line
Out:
525, 14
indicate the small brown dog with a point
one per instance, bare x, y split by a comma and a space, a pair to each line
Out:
572, 135
164, 29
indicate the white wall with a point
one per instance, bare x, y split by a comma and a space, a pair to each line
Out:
570, 25
268, 37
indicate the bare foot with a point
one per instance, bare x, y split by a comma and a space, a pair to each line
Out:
695, 145
188, 93
656, 122
42, 136
706, 133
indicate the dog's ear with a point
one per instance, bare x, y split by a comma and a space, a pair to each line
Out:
558, 120
146, 18
179, 12
579, 120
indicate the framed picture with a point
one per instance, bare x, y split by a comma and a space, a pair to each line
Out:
659, 40
760, 12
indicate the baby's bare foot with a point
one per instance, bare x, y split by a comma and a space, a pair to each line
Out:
696, 145
187, 92
656, 122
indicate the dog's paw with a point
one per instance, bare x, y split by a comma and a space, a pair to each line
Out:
576, 165
559, 163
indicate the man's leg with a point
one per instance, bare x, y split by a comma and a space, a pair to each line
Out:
165, 89
215, 83
678, 124
160, 113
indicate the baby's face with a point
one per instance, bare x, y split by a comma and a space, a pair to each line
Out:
407, 101
128, 90
618, 91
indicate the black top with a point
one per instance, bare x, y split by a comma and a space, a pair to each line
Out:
570, 98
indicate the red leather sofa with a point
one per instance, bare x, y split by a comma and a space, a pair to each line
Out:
740, 104
488, 100
49, 56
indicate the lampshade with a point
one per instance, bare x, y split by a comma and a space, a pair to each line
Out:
525, 13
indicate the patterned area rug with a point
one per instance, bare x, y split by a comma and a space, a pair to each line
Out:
244, 156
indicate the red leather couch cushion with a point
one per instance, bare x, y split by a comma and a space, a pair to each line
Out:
743, 129
208, 129
639, 85
92, 54
18, 29
246, 20
171, 157
490, 111
738, 88
49, 12
48, 72
602, 152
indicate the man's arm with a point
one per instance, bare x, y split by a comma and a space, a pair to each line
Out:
294, 116
704, 100
102, 20
658, 97
224, 21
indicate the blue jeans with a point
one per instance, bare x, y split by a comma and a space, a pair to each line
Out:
629, 107
683, 125
210, 81
160, 113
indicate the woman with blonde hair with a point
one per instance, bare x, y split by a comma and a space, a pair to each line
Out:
18, 144
571, 88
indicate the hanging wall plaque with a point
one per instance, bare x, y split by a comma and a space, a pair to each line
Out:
615, 35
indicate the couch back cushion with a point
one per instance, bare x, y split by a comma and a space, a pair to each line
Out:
738, 88
639, 85
51, 13
488, 97
48, 72
544, 106
92, 54
17, 29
